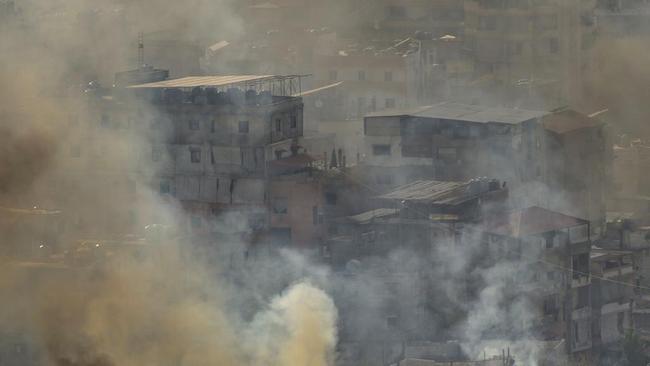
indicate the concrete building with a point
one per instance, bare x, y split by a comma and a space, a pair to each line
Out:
529, 53
552, 159
613, 293
419, 216
373, 79
553, 251
208, 141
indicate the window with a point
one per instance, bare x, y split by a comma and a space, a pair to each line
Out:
620, 321
213, 126
362, 75
194, 124
294, 121
195, 155
549, 241
165, 187
278, 125
390, 103
582, 297
550, 275
334, 75
243, 126
155, 153
381, 150
553, 45
331, 198
280, 206
388, 76
447, 153
373, 104
550, 305
314, 215
579, 234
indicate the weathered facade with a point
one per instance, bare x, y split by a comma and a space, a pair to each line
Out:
553, 252
535, 152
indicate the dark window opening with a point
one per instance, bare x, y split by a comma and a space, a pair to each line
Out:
381, 150
294, 122
278, 125
280, 206
165, 187
195, 155
155, 153
331, 198
194, 125
243, 126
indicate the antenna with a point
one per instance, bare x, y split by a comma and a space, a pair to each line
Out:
140, 49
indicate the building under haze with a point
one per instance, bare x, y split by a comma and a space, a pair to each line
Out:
555, 159
205, 142
529, 53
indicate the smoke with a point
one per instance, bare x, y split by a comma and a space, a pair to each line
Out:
167, 304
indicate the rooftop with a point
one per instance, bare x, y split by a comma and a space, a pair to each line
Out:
530, 221
215, 81
442, 193
464, 112
367, 217
567, 121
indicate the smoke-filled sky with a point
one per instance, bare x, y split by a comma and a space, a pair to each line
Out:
174, 310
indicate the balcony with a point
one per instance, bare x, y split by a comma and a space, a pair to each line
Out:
580, 281
618, 271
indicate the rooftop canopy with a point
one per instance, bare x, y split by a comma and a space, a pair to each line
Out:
464, 112
216, 81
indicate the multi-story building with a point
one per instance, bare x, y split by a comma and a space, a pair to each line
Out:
552, 159
398, 18
529, 53
373, 79
202, 141
418, 215
552, 251
612, 297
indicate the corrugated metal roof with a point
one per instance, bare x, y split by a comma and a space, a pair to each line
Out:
530, 221
427, 191
206, 81
373, 214
465, 112
567, 121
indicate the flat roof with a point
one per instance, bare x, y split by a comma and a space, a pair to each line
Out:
210, 81
530, 221
464, 112
435, 192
